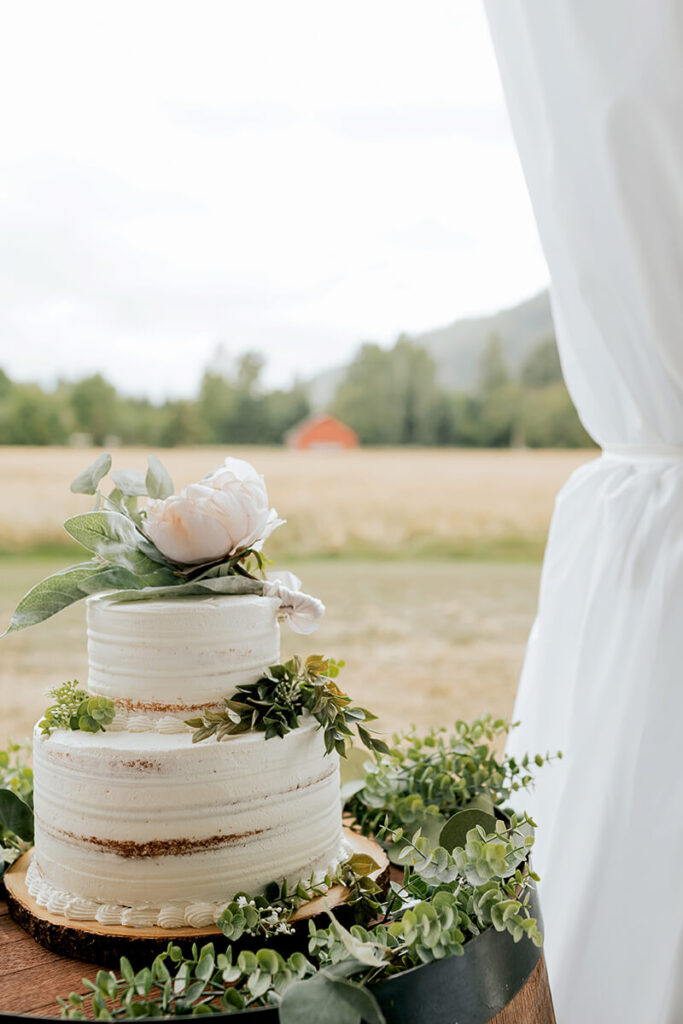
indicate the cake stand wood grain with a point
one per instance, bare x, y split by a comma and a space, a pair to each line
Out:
106, 944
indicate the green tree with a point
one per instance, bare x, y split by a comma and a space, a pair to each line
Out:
366, 398
493, 368
499, 398
390, 396
179, 424
542, 365
95, 407
248, 376
284, 409
551, 421
29, 415
216, 407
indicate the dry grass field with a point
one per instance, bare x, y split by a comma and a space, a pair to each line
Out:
368, 502
426, 638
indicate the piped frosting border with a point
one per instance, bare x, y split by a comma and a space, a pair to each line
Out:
173, 914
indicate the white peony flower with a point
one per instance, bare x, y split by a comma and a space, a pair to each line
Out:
225, 513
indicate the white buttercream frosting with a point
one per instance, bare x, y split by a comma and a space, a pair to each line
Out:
168, 658
140, 820
138, 826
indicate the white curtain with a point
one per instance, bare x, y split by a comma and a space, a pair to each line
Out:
595, 93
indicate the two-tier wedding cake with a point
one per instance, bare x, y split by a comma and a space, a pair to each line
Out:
158, 796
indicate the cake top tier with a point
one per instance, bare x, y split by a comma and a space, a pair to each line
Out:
170, 659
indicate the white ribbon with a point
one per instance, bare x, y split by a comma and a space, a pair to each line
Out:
301, 611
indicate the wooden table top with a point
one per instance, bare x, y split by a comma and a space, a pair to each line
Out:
31, 977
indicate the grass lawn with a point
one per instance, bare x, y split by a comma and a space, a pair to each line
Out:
424, 642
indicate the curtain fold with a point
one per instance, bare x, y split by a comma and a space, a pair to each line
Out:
595, 94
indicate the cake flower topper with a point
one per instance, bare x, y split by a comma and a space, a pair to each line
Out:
205, 540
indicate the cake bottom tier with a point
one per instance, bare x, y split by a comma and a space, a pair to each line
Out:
141, 829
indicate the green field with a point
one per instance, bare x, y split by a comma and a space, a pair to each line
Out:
424, 642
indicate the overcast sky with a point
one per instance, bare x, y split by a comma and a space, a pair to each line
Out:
293, 177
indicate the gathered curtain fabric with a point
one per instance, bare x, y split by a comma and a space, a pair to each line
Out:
595, 94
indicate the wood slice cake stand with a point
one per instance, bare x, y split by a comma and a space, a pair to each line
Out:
105, 944
31, 978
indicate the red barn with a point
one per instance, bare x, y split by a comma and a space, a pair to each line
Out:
322, 431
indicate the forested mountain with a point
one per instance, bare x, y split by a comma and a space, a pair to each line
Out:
457, 349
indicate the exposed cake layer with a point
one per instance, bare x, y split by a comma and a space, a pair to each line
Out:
151, 820
168, 659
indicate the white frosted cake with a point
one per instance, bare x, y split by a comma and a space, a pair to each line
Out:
138, 825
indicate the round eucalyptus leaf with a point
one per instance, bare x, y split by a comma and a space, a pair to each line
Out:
481, 802
454, 833
431, 827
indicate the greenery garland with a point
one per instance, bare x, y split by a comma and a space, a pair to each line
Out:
275, 703
473, 877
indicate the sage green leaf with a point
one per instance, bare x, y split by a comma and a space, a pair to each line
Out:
54, 593
131, 482
482, 802
454, 833
111, 577
323, 998
87, 481
195, 588
430, 826
15, 815
114, 537
158, 480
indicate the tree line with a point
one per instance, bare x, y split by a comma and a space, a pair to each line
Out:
393, 396
389, 396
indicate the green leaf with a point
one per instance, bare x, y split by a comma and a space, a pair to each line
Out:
158, 480
131, 482
323, 998
87, 481
482, 802
126, 969
113, 537
362, 864
56, 592
221, 585
454, 833
15, 815
111, 578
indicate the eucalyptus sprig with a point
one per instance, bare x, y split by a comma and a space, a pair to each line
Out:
176, 985
424, 780
270, 912
275, 703
76, 709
